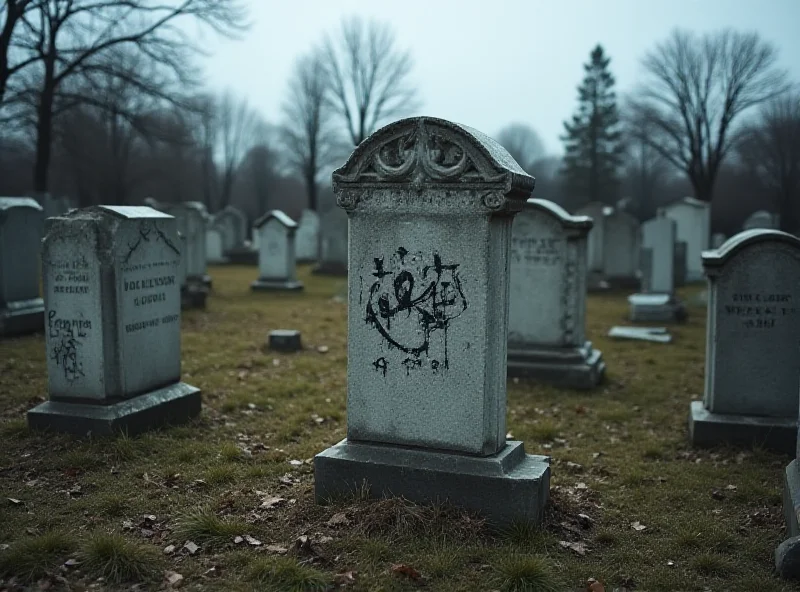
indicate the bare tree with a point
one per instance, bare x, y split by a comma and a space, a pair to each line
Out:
770, 149
12, 13
69, 38
523, 143
307, 133
238, 128
645, 168
369, 77
696, 89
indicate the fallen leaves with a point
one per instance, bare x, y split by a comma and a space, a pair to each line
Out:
173, 579
272, 502
339, 519
406, 571
638, 526
191, 547
593, 585
347, 578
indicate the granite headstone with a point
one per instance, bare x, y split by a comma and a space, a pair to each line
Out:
547, 309
276, 257
307, 237
112, 329
430, 205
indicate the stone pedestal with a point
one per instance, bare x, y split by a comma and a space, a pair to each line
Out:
430, 206
547, 311
21, 227
276, 258
656, 308
112, 302
752, 359
506, 487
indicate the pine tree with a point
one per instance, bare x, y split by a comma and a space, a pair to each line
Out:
593, 139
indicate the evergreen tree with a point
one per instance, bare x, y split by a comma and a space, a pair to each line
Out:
593, 138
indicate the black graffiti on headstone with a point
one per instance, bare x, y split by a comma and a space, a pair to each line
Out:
145, 230
65, 344
380, 365
419, 289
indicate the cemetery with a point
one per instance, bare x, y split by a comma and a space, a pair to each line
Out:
443, 404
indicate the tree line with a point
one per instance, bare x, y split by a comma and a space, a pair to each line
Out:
104, 101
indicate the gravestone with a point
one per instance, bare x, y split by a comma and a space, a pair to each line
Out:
276, 261
113, 323
693, 225
430, 205
547, 309
753, 343
232, 223
307, 237
657, 302
620, 248
717, 240
760, 219
21, 227
333, 243
787, 555
285, 340
192, 219
680, 266
596, 240
214, 248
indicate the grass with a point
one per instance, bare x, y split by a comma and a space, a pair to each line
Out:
620, 455
118, 560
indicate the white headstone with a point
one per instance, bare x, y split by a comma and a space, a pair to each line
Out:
659, 236
333, 238
753, 335
620, 245
232, 223
430, 205
21, 229
214, 249
276, 256
760, 219
192, 219
112, 309
596, 241
693, 226
308, 236
547, 308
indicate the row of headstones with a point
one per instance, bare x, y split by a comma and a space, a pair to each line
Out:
436, 273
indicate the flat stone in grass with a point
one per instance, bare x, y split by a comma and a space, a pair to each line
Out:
657, 303
547, 310
276, 261
285, 340
112, 334
21, 227
333, 243
752, 352
430, 205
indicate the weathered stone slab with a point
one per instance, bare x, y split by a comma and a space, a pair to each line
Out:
752, 357
276, 259
430, 205
621, 237
193, 219
214, 247
693, 226
232, 225
333, 227
547, 310
655, 334
656, 308
112, 307
21, 228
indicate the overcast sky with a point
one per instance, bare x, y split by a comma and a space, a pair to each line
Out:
487, 63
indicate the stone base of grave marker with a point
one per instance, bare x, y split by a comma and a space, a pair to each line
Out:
787, 555
285, 340
242, 256
263, 284
508, 487
22, 317
576, 367
712, 429
193, 296
656, 308
173, 404
330, 268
